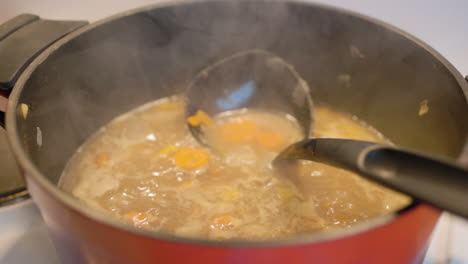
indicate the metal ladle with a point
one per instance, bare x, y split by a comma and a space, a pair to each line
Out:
253, 79
259, 79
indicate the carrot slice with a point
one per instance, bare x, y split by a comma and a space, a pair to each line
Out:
191, 158
270, 140
136, 217
194, 120
238, 132
200, 118
205, 118
223, 220
102, 159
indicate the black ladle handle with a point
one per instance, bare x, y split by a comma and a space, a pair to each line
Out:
436, 181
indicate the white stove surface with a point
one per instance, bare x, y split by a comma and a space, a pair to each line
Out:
24, 237
441, 24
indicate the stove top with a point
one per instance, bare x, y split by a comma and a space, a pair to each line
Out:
24, 237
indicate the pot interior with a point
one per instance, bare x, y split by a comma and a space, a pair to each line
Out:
351, 63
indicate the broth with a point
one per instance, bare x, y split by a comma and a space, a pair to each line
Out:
145, 168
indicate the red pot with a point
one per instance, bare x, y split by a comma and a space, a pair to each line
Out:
351, 62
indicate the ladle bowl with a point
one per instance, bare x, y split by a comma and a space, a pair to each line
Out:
249, 79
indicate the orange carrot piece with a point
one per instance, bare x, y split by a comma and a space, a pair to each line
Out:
102, 159
270, 140
194, 120
238, 132
205, 118
223, 220
191, 158
137, 217
200, 118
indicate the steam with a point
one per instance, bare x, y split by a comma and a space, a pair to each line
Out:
141, 57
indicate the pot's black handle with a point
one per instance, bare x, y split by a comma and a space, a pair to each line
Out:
436, 181
23, 38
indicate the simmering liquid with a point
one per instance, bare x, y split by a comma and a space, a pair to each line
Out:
146, 169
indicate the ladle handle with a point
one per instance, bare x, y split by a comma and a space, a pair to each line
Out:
436, 181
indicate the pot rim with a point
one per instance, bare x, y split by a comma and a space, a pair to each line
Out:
72, 203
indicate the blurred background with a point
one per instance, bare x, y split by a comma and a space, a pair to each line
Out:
441, 24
